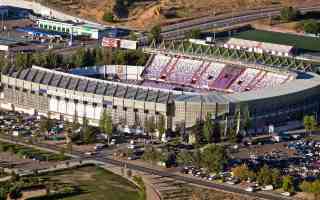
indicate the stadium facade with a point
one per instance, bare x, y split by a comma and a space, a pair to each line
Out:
182, 89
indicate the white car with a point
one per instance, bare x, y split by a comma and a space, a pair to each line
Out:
89, 153
287, 194
250, 189
267, 188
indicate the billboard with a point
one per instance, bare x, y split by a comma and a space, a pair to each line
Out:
128, 44
110, 42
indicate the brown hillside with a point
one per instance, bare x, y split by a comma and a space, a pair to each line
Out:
144, 13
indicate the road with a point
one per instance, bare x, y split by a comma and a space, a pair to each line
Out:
178, 31
190, 180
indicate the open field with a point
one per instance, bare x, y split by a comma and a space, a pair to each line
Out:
95, 183
301, 42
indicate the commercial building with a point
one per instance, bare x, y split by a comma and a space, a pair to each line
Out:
69, 27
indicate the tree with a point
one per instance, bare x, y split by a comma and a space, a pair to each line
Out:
15, 192
311, 187
243, 172
208, 128
310, 26
309, 123
45, 124
246, 123
161, 125
214, 158
216, 135
75, 123
106, 124
287, 184
149, 125
264, 176
194, 34
155, 33
120, 58
108, 16
89, 135
288, 14
276, 177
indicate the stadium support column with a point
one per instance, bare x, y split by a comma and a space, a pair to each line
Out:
216, 111
185, 118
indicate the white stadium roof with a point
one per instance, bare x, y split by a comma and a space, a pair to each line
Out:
260, 45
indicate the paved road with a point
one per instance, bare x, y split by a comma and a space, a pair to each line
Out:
178, 31
77, 154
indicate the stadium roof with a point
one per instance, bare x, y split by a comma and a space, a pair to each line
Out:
294, 86
261, 45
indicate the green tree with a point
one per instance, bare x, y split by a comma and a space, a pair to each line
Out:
79, 57
311, 187
287, 184
161, 125
75, 123
309, 123
108, 16
264, 176
310, 26
194, 34
45, 124
89, 135
15, 192
155, 33
276, 178
243, 172
216, 135
120, 58
208, 128
106, 124
214, 158
288, 14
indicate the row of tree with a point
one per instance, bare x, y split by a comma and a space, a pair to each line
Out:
212, 157
81, 58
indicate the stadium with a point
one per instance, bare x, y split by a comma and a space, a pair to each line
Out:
181, 82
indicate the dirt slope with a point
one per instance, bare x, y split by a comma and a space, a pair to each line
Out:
145, 13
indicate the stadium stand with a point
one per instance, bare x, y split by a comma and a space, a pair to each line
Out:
180, 73
242, 82
155, 68
226, 77
184, 70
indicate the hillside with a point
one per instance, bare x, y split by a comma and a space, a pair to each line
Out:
142, 14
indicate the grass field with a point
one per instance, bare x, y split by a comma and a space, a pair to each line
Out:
301, 42
96, 184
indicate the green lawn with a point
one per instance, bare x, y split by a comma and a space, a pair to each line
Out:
96, 184
301, 42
